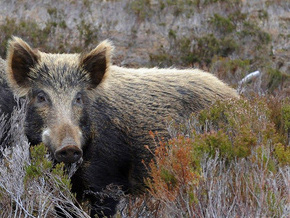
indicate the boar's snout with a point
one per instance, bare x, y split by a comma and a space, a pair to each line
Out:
68, 152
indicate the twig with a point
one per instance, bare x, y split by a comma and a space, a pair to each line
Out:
248, 79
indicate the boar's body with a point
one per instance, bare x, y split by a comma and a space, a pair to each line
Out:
82, 106
128, 104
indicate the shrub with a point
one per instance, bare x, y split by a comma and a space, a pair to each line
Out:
206, 48
222, 24
30, 186
229, 160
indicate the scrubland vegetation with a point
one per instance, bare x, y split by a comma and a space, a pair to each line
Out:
30, 186
231, 160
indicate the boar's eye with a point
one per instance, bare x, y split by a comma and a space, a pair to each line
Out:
79, 99
41, 97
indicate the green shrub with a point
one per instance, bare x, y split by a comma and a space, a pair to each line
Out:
222, 24
260, 37
40, 167
31, 185
206, 48
275, 79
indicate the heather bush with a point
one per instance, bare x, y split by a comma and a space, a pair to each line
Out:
231, 160
30, 186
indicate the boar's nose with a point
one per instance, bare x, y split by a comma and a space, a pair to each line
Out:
68, 154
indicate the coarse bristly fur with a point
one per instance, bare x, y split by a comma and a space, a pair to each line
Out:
81, 106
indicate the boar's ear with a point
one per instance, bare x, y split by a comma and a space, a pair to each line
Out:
96, 62
20, 59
